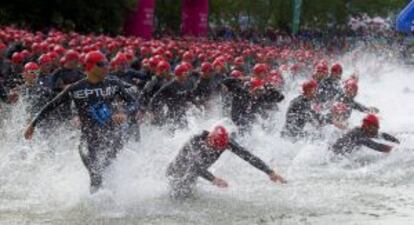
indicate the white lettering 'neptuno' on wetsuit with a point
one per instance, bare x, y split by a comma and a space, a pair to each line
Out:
93, 101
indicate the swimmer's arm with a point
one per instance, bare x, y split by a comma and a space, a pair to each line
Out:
249, 157
50, 106
204, 173
389, 137
376, 146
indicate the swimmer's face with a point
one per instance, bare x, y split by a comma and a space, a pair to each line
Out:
372, 130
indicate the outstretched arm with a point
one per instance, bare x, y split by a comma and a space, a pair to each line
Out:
50, 106
358, 106
255, 161
204, 173
389, 137
376, 146
249, 157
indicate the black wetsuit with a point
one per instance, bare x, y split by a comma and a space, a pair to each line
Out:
299, 113
133, 77
63, 77
356, 138
196, 157
175, 95
145, 77
59, 79
12, 78
100, 141
45, 80
149, 91
35, 97
328, 90
205, 89
266, 101
352, 104
5, 71
246, 106
239, 106
3, 93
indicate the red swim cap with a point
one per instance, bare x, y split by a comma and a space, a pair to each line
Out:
206, 67
336, 69
31, 66
370, 120
218, 138
92, 58
236, 74
162, 67
180, 70
351, 86
256, 83
17, 58
260, 68
72, 55
309, 85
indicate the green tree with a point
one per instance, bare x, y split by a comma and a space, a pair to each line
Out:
168, 14
105, 16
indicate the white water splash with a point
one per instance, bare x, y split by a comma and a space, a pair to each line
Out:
46, 183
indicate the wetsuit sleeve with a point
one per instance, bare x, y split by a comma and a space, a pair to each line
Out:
374, 145
319, 118
197, 90
389, 137
145, 96
197, 166
50, 106
205, 173
138, 75
249, 157
358, 106
156, 101
185, 95
230, 83
56, 81
132, 103
274, 94
326, 119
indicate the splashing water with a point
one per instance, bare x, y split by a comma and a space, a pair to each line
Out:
44, 182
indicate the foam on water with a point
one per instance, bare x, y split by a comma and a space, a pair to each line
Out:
46, 183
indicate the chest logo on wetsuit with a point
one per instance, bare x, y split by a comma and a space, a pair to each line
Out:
98, 92
101, 113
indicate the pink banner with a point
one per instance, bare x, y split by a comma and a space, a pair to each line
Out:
141, 22
194, 18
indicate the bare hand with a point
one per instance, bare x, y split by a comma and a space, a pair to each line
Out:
139, 116
119, 118
387, 149
277, 178
75, 121
28, 134
220, 183
13, 97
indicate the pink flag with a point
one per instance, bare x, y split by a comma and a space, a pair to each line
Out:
141, 22
194, 18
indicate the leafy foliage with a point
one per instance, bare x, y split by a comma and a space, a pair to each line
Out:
104, 16
107, 16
